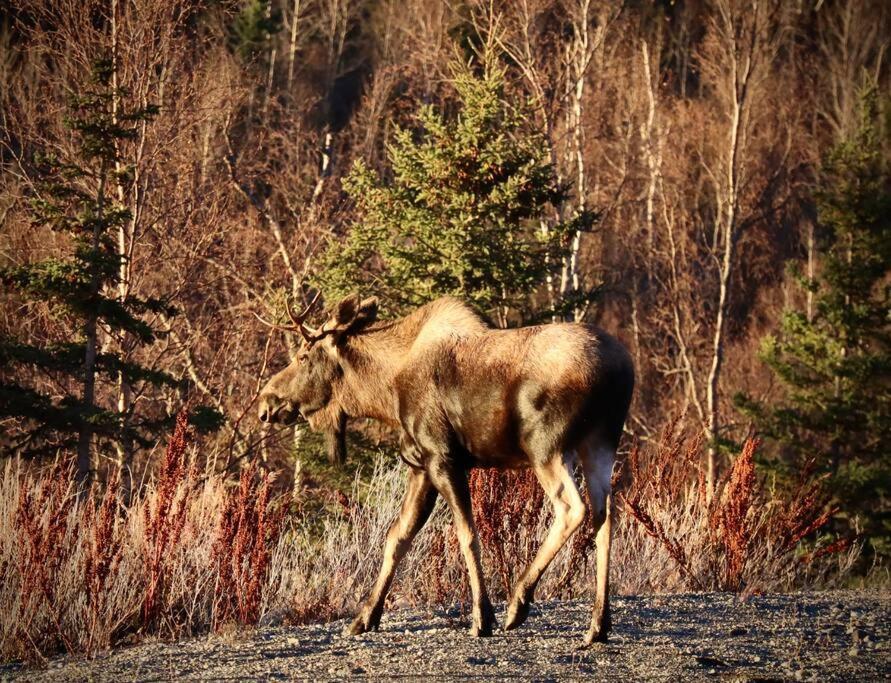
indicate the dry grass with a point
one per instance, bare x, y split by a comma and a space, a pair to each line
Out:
82, 575
745, 537
191, 553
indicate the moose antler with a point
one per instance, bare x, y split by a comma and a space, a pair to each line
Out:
310, 334
298, 319
274, 326
298, 324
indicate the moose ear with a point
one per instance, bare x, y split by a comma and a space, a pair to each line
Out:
367, 311
347, 310
353, 313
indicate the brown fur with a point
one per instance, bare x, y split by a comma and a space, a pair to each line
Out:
462, 395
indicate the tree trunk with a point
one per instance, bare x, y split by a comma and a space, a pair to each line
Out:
651, 151
579, 69
270, 74
123, 445
85, 437
88, 402
298, 462
726, 230
810, 271
292, 49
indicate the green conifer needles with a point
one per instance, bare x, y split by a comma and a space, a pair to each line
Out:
460, 210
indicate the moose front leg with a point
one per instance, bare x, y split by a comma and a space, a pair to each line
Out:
420, 497
453, 486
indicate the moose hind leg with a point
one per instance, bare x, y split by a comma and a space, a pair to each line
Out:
452, 483
557, 481
597, 462
420, 497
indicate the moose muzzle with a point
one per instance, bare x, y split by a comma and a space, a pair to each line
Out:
275, 409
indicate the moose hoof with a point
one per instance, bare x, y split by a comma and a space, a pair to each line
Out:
481, 630
484, 623
598, 636
517, 613
359, 626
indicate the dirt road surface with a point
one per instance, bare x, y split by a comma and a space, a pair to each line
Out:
842, 636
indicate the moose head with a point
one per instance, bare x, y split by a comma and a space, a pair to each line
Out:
310, 385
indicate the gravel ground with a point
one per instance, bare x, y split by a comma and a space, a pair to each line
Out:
841, 636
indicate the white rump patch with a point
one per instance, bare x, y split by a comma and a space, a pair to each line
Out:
598, 466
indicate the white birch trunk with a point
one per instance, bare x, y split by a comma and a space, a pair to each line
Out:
292, 45
579, 69
123, 445
270, 76
726, 235
810, 271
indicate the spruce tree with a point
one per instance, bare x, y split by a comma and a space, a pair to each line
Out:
460, 211
835, 365
74, 197
252, 28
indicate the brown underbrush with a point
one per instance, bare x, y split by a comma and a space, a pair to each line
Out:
193, 552
747, 535
82, 573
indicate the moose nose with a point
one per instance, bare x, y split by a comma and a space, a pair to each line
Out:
265, 411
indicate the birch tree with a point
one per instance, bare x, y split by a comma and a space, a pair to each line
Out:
743, 40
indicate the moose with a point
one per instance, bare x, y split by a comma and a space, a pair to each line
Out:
461, 395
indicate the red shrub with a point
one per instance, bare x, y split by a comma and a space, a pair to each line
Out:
103, 553
248, 531
738, 538
507, 506
166, 516
46, 529
731, 520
